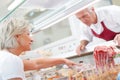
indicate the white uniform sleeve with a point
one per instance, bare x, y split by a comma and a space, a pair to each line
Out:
116, 14
86, 33
13, 68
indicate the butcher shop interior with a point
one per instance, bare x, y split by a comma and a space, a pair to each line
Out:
66, 40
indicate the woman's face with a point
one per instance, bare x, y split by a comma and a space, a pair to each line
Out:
25, 41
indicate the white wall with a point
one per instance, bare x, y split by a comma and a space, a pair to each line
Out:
116, 2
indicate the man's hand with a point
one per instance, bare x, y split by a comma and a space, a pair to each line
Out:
117, 39
81, 47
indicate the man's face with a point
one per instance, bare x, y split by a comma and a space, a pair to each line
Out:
25, 41
86, 16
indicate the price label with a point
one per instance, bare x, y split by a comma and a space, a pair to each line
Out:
62, 78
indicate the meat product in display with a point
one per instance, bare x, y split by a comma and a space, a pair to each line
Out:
103, 56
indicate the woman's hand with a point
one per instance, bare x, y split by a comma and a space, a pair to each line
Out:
69, 63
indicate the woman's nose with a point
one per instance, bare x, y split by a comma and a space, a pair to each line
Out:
32, 40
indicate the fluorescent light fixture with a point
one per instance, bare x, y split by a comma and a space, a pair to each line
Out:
14, 4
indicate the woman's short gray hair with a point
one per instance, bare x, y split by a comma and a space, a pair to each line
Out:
8, 30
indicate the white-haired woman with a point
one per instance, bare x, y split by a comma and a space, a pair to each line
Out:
15, 39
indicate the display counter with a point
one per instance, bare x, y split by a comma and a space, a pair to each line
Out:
70, 73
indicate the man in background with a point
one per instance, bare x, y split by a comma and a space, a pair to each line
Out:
102, 22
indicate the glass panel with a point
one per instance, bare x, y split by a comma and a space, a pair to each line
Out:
51, 17
52, 34
44, 13
7, 7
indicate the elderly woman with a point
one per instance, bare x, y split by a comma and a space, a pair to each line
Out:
15, 39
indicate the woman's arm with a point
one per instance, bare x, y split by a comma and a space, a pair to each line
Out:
39, 63
15, 79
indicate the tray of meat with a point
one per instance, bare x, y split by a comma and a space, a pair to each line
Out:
103, 56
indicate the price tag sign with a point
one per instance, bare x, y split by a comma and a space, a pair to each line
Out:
62, 78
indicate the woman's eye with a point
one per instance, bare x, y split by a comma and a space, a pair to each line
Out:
28, 34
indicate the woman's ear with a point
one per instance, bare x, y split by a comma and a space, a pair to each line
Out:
17, 36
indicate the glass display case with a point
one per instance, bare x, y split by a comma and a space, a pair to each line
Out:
61, 34
59, 13
41, 13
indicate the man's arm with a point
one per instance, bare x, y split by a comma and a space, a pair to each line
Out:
39, 63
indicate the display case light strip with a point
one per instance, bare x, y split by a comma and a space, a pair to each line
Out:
14, 4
